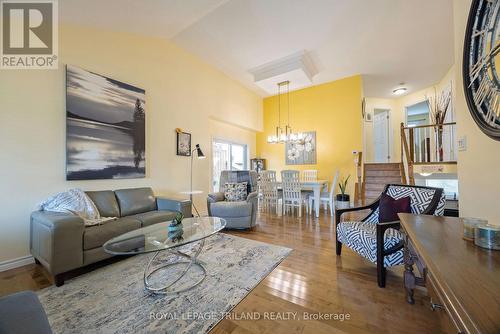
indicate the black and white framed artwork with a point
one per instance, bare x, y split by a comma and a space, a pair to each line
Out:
184, 144
105, 127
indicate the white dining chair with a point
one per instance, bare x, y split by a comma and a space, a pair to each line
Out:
309, 175
327, 198
270, 193
292, 191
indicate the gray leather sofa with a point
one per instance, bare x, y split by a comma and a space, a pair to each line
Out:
61, 242
238, 215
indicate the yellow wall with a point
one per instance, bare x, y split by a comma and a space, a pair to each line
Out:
181, 91
333, 110
478, 180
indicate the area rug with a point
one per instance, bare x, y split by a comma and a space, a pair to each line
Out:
112, 299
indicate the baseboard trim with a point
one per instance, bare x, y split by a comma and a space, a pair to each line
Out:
16, 263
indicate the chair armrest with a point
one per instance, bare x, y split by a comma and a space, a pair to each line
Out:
183, 206
215, 197
56, 240
252, 196
381, 228
340, 212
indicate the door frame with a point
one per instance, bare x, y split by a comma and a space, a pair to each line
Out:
411, 104
230, 142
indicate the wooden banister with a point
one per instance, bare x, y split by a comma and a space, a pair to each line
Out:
358, 191
406, 153
427, 126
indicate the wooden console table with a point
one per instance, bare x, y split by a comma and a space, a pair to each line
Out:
462, 279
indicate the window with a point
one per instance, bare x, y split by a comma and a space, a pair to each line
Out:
227, 156
450, 186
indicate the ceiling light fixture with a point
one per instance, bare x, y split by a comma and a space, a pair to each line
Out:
284, 135
400, 90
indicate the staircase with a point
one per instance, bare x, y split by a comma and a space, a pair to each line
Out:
376, 176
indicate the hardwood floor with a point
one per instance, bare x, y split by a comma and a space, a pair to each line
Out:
311, 280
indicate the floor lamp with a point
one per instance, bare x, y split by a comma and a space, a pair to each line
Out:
200, 155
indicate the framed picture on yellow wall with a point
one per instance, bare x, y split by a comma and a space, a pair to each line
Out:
302, 152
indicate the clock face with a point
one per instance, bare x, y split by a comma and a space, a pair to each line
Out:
480, 63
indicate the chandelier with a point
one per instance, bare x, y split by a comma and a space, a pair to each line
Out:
284, 134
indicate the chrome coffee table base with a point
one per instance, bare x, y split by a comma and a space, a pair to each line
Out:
169, 288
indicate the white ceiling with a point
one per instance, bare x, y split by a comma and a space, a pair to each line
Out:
387, 41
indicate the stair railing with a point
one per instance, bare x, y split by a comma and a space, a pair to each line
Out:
426, 145
406, 157
358, 190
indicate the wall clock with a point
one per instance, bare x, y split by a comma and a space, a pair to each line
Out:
481, 53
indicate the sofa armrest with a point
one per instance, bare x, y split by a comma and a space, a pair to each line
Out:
56, 240
183, 205
215, 197
252, 197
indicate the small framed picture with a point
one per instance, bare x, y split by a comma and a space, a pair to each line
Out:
184, 144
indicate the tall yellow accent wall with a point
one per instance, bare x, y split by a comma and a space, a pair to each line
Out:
333, 110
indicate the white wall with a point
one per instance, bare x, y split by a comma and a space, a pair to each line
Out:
181, 91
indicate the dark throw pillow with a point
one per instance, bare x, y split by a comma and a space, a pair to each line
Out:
390, 207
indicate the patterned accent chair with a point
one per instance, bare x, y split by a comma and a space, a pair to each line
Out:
239, 214
382, 243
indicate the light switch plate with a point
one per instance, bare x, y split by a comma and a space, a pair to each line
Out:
462, 143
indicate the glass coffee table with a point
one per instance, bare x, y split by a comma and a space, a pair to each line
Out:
158, 238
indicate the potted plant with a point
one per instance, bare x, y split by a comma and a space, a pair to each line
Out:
176, 223
343, 199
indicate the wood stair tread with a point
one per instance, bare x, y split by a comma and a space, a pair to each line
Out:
383, 180
383, 173
376, 176
389, 166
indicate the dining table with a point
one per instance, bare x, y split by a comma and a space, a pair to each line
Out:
316, 187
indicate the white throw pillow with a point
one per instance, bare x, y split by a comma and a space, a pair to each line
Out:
234, 192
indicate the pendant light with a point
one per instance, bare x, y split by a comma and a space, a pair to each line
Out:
284, 135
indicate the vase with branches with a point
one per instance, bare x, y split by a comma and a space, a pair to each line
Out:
439, 106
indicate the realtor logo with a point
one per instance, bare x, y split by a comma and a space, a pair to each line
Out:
29, 34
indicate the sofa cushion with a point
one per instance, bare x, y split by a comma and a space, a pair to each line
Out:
231, 209
154, 217
96, 236
106, 202
136, 200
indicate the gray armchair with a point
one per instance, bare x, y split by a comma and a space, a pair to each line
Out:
238, 215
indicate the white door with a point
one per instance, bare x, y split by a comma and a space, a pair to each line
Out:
381, 136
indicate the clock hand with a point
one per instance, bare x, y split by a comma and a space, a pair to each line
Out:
484, 62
